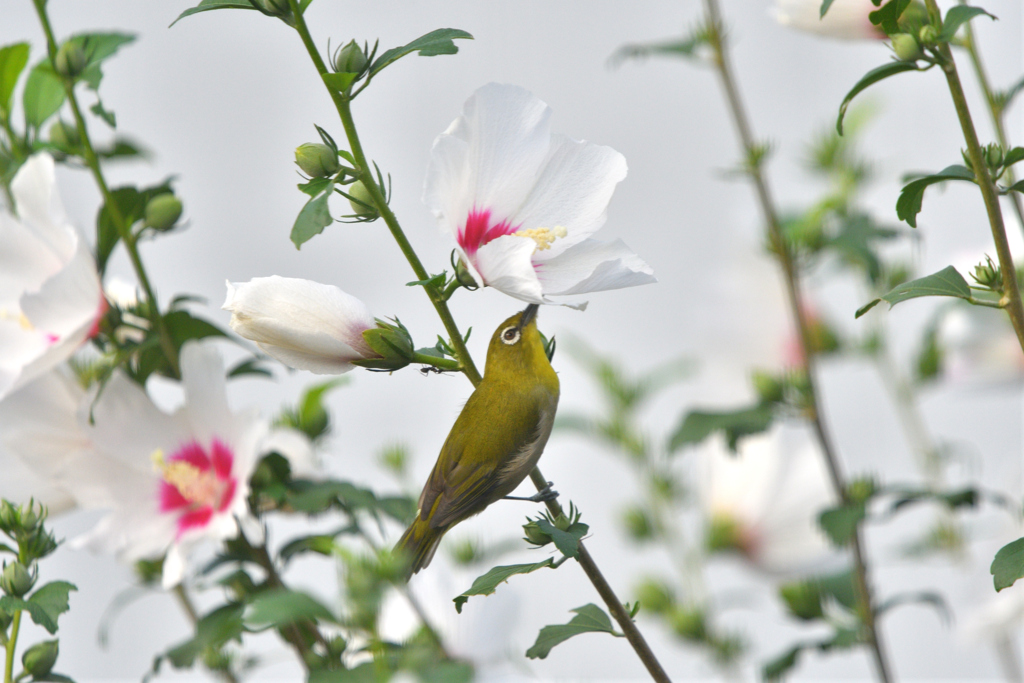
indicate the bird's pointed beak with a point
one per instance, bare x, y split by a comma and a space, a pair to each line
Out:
529, 313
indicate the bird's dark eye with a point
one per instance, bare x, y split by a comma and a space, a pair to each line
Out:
510, 335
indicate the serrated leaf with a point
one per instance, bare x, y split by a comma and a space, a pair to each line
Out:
437, 42
698, 425
956, 17
1008, 564
207, 5
53, 598
589, 619
313, 218
13, 59
488, 583
281, 606
870, 78
840, 523
42, 96
946, 282
911, 196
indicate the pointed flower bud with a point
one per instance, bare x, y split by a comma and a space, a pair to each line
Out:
39, 659
350, 59
71, 59
317, 160
16, 580
163, 211
303, 324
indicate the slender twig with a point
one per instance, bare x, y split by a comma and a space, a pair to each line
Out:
995, 109
438, 299
116, 217
781, 249
185, 601
1011, 294
12, 641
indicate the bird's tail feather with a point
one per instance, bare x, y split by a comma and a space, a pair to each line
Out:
418, 543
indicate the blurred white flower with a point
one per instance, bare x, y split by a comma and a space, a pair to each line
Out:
846, 19
173, 481
522, 203
999, 616
980, 346
50, 295
40, 436
764, 501
303, 324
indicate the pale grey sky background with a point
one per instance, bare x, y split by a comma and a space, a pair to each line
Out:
223, 99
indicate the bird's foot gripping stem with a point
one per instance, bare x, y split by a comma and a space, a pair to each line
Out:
543, 496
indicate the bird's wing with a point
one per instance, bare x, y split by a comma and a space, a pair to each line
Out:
473, 468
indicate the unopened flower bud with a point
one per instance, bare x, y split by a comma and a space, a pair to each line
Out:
928, 34
16, 580
392, 344
363, 206
688, 623
317, 160
769, 389
39, 659
71, 59
905, 46
638, 523
803, 599
967, 159
860, 490
723, 533
277, 8
163, 211
988, 274
994, 155
350, 59
655, 596
534, 534
64, 135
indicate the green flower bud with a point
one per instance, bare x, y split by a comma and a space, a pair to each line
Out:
363, 207
638, 524
723, 533
39, 544
769, 388
163, 211
16, 580
928, 34
64, 135
655, 596
39, 659
989, 274
803, 599
905, 46
350, 59
688, 623
8, 516
993, 155
71, 59
860, 490
277, 8
534, 534
317, 160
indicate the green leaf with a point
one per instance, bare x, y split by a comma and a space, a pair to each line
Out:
1008, 565
825, 4
432, 281
43, 94
213, 630
888, 16
1007, 97
121, 148
322, 544
207, 5
589, 619
840, 523
313, 218
280, 607
488, 583
249, 366
1016, 187
315, 186
437, 42
44, 606
107, 116
566, 542
776, 668
311, 417
98, 47
13, 59
339, 82
1013, 156
735, 424
922, 597
869, 79
315, 497
856, 243
956, 17
683, 47
909, 203
946, 282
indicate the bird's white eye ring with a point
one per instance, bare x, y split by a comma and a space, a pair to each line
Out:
510, 335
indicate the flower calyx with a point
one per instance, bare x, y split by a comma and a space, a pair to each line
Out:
392, 343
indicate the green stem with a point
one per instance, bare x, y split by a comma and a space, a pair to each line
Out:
116, 217
437, 362
995, 110
791, 276
437, 298
1011, 294
11, 643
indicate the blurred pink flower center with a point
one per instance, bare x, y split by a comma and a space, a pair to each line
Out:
196, 483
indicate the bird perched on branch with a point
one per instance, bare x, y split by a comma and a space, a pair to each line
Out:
496, 440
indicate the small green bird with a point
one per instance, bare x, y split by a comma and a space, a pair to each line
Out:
496, 440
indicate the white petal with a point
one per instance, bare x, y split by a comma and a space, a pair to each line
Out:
38, 205
846, 19
592, 266
303, 324
572, 190
505, 265
206, 397
174, 567
25, 261
489, 157
295, 447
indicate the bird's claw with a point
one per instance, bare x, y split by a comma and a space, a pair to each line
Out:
544, 495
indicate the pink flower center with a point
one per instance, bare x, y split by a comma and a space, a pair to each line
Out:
479, 230
196, 483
